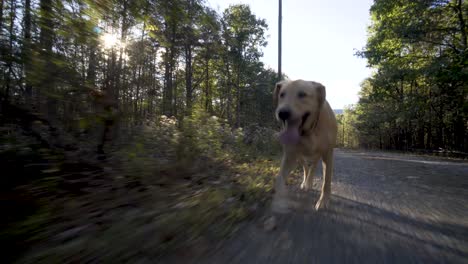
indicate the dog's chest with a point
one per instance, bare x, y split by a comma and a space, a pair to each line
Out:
308, 147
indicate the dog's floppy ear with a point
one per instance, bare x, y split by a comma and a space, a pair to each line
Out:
321, 93
276, 92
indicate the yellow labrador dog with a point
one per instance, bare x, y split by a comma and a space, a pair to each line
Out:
309, 133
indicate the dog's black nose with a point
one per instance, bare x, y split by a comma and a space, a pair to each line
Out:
284, 114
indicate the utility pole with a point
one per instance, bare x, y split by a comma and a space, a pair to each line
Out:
280, 18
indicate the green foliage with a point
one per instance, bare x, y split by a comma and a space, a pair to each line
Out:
348, 134
416, 98
151, 93
201, 135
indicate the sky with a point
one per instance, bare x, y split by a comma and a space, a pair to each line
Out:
320, 38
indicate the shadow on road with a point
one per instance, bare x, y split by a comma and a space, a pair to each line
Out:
418, 232
346, 232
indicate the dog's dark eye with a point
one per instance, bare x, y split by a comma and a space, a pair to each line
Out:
301, 95
282, 94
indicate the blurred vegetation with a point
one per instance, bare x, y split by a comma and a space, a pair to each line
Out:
130, 121
167, 187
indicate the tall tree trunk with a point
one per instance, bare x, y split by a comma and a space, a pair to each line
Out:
380, 139
137, 95
119, 72
168, 100
152, 95
83, 65
462, 25
429, 143
189, 40
440, 128
167, 85
1, 13
140, 70
461, 134
170, 90
208, 103
91, 73
9, 63
27, 51
47, 83
188, 80
238, 91
229, 94
175, 94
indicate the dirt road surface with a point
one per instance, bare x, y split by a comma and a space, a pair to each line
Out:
385, 208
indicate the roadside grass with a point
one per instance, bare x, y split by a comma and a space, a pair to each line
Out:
166, 190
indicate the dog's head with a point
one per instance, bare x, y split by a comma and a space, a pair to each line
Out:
298, 105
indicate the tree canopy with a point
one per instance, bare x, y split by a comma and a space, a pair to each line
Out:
417, 97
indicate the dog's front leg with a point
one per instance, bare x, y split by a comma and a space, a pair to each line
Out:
280, 198
306, 175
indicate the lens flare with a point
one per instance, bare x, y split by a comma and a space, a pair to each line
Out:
109, 40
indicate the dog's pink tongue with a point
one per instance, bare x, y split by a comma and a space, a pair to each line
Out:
290, 135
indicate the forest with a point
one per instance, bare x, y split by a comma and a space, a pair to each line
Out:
133, 61
417, 96
112, 106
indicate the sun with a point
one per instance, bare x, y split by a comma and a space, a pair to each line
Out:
109, 40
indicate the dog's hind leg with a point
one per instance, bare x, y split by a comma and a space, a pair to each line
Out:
306, 174
309, 171
327, 165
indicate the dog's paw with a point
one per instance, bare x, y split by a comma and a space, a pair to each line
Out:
306, 187
322, 203
280, 206
270, 224
303, 186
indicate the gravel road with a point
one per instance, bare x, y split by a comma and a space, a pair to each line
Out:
385, 208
